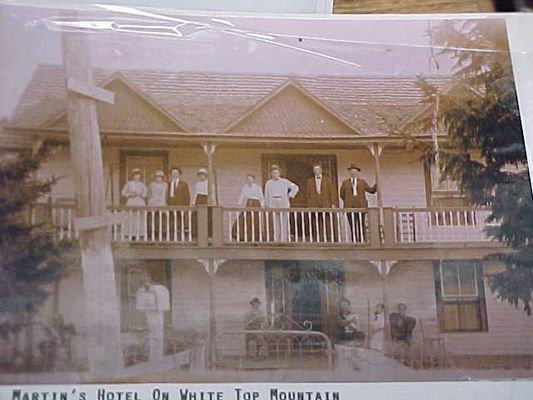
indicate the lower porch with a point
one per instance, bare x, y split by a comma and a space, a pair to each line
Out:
299, 300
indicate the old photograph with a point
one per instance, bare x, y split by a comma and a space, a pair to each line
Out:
243, 199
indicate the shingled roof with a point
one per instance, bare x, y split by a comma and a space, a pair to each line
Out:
210, 102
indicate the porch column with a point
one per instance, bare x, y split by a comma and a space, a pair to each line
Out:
211, 266
376, 150
209, 149
383, 267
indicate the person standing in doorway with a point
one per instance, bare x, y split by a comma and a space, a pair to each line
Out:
278, 192
320, 194
353, 194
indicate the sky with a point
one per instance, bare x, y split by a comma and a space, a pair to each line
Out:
315, 46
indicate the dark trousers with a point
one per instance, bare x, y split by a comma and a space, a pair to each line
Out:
357, 221
247, 226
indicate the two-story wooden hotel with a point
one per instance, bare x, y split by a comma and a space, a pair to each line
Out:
422, 244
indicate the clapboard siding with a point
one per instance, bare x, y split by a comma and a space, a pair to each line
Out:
237, 282
402, 174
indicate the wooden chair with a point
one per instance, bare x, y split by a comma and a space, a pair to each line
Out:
432, 346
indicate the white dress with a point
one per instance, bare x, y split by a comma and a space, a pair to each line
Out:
157, 194
377, 340
134, 221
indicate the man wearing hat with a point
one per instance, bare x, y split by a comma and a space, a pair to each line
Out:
278, 192
353, 194
254, 320
320, 194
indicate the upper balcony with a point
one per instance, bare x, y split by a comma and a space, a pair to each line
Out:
371, 234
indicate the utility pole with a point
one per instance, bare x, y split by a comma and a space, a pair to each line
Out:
101, 301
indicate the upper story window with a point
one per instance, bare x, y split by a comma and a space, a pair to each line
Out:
460, 296
441, 183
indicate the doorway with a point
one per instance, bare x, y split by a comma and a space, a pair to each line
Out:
305, 292
299, 168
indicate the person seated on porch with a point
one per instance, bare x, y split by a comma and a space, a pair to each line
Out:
347, 323
401, 328
402, 325
254, 320
249, 225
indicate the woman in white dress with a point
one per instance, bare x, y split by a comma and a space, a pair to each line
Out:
377, 339
248, 225
135, 192
157, 197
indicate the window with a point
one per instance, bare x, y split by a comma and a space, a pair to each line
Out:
441, 183
460, 296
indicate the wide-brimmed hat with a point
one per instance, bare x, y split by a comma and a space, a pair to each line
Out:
201, 171
255, 300
135, 171
353, 166
159, 173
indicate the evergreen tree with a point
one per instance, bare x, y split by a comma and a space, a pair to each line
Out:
486, 152
30, 257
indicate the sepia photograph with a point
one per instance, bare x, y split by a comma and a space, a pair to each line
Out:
191, 198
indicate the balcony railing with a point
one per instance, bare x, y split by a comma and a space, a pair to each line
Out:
173, 225
295, 225
217, 226
440, 225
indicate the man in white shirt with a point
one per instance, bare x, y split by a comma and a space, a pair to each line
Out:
278, 192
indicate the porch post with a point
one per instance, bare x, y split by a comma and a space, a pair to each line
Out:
209, 149
383, 267
376, 150
211, 266
102, 307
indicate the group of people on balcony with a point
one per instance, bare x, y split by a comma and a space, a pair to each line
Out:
249, 226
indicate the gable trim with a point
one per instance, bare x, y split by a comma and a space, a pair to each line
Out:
290, 82
120, 77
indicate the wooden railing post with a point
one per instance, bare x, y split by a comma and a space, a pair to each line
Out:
202, 226
389, 233
218, 226
373, 227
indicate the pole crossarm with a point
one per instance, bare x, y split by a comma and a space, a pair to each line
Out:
90, 91
96, 222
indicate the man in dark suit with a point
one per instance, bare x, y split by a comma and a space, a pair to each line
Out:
178, 195
320, 194
353, 194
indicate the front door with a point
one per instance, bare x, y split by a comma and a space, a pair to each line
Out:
306, 292
299, 168
132, 277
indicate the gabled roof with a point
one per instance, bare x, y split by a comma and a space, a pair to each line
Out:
132, 110
305, 114
213, 102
